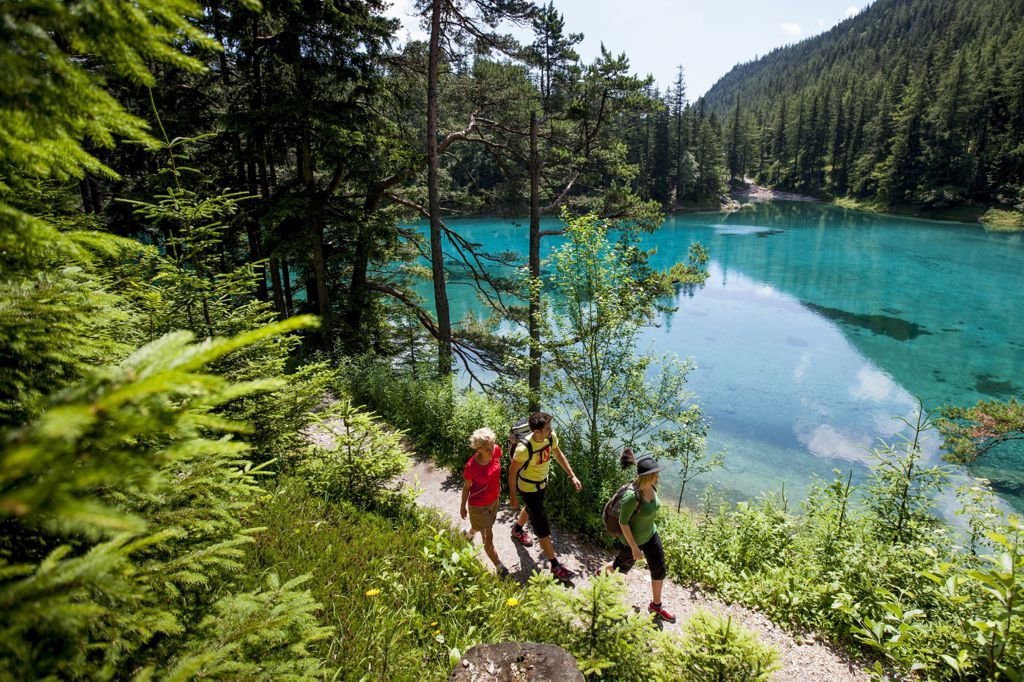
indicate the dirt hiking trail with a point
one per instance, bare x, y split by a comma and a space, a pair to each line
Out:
803, 658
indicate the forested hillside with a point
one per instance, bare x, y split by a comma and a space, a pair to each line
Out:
910, 101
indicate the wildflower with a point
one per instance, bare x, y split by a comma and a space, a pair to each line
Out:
372, 593
512, 601
436, 633
434, 624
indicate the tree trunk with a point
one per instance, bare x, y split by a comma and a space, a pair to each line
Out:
252, 231
92, 198
320, 274
289, 304
358, 298
444, 328
275, 286
534, 323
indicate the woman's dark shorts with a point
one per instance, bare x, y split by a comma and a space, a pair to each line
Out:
653, 552
538, 517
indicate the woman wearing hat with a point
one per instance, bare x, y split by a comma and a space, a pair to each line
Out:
636, 518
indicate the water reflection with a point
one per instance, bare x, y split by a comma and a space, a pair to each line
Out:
820, 327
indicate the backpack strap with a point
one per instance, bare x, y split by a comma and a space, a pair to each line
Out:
639, 501
529, 458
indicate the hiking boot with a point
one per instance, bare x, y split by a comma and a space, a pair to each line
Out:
502, 572
562, 573
522, 537
661, 613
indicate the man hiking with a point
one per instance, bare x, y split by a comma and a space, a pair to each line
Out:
528, 476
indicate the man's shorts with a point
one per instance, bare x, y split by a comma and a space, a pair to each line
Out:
482, 518
538, 517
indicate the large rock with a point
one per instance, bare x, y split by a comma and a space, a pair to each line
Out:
516, 662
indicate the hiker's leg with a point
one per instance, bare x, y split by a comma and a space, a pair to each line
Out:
484, 522
622, 563
479, 518
539, 521
655, 555
523, 515
487, 535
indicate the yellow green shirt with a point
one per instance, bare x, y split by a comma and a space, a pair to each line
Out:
536, 465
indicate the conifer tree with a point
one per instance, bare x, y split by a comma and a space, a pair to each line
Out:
681, 141
122, 484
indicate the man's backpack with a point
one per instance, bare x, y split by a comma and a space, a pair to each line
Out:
520, 434
610, 514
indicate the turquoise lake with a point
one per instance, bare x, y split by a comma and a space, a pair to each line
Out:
820, 326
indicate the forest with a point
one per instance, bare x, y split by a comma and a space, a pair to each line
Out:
906, 103
213, 217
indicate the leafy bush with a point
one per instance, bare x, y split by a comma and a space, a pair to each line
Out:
121, 508
404, 597
436, 417
595, 624
714, 649
362, 460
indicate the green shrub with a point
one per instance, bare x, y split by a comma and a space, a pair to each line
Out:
436, 417
121, 508
360, 463
608, 638
405, 599
714, 649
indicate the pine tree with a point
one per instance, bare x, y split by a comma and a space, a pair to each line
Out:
681, 139
122, 478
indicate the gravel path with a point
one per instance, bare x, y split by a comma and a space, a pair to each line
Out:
803, 658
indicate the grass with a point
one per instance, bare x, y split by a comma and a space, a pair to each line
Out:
957, 214
405, 600
993, 219
1003, 221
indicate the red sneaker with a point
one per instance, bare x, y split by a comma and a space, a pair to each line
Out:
661, 612
522, 537
562, 573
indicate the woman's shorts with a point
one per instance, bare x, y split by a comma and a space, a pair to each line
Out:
653, 552
482, 518
538, 517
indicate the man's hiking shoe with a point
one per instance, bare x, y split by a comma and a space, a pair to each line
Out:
661, 613
502, 572
522, 537
562, 573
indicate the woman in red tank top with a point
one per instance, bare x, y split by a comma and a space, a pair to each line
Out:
481, 489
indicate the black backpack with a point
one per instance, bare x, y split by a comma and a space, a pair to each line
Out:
610, 513
520, 434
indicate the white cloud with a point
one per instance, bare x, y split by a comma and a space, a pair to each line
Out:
791, 29
828, 443
872, 385
851, 12
800, 371
404, 11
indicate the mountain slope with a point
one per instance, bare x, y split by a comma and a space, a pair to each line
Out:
909, 101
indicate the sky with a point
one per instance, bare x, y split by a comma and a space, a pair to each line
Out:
706, 37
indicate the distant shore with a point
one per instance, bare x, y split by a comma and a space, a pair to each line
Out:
752, 192
990, 218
